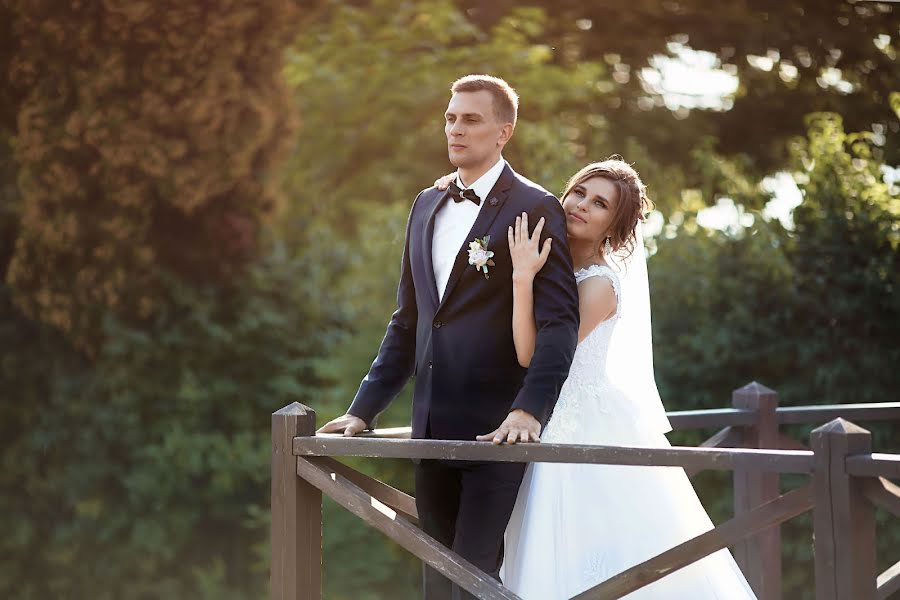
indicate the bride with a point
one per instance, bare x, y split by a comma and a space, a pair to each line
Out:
576, 525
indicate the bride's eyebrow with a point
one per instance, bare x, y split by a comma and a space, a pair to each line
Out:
580, 188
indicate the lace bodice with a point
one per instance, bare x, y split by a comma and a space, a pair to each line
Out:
588, 378
590, 355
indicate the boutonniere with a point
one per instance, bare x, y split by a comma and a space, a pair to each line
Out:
480, 256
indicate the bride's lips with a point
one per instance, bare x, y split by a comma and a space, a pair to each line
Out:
575, 217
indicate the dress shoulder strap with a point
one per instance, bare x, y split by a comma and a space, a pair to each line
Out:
605, 272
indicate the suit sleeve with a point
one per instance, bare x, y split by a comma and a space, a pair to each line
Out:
556, 318
396, 358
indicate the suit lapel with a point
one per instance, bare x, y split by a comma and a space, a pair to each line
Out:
490, 208
427, 244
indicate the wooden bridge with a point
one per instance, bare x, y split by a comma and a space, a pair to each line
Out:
846, 482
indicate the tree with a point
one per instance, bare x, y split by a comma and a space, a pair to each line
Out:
812, 311
145, 138
791, 58
144, 473
847, 266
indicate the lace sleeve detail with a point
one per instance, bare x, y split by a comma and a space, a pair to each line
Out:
607, 273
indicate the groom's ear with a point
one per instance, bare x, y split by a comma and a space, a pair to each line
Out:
506, 132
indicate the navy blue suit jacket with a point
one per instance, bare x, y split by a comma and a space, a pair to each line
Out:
460, 348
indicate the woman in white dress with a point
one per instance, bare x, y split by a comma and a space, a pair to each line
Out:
576, 525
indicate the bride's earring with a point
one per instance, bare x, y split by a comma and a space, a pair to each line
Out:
607, 249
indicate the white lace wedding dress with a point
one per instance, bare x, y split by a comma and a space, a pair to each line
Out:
576, 525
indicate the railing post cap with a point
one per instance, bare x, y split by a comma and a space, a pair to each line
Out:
754, 389
840, 426
294, 409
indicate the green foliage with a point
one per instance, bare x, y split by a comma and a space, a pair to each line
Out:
840, 57
137, 145
812, 311
372, 86
847, 266
145, 135
146, 473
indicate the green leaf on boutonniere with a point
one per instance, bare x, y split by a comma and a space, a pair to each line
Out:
490, 263
487, 240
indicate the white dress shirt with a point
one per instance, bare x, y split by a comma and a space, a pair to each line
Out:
453, 222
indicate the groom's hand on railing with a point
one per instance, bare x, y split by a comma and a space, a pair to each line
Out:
345, 424
519, 426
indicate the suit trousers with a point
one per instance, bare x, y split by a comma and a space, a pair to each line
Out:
466, 506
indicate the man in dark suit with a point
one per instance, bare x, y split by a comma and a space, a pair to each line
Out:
453, 330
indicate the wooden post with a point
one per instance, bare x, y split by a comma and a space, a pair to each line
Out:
296, 572
844, 519
759, 555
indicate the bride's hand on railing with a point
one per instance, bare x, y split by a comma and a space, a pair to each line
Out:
346, 424
444, 182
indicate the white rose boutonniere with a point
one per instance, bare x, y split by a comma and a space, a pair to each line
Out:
480, 256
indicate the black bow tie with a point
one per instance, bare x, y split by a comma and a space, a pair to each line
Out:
459, 195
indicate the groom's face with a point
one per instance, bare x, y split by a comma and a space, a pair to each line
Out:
475, 136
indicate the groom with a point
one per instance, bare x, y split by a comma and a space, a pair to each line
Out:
452, 330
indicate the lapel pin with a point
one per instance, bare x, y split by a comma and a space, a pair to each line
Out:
493, 201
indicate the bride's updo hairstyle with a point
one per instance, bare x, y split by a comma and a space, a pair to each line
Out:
633, 204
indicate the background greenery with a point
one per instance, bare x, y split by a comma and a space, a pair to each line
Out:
201, 216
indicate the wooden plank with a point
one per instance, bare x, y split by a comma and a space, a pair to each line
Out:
296, 563
874, 411
823, 533
399, 501
724, 417
888, 582
776, 511
780, 461
709, 418
874, 465
729, 437
679, 419
883, 494
759, 555
448, 563
844, 519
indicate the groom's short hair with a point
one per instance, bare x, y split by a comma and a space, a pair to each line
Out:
506, 100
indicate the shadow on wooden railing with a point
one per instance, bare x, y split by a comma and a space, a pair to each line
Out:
847, 482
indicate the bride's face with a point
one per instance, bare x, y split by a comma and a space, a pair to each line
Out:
590, 209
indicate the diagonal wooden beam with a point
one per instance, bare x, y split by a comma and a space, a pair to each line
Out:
399, 501
429, 550
771, 513
888, 582
883, 494
728, 437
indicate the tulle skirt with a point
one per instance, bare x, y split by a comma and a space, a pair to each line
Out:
576, 525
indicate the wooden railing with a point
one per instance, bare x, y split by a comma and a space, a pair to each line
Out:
847, 482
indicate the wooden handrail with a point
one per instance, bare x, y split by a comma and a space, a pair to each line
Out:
876, 411
710, 418
682, 420
874, 465
777, 461
848, 481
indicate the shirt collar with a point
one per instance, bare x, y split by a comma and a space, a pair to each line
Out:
484, 184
